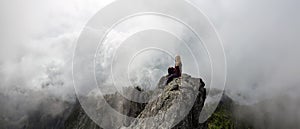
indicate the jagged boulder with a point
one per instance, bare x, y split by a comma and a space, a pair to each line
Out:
178, 106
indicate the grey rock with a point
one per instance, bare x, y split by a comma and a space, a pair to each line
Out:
176, 109
176, 105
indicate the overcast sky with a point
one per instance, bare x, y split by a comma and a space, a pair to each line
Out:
260, 38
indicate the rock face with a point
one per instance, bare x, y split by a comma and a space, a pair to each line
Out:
176, 105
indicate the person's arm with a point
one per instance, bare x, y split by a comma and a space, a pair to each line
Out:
178, 65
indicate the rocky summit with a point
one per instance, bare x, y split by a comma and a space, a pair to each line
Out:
176, 105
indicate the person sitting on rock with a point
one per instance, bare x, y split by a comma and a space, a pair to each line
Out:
174, 72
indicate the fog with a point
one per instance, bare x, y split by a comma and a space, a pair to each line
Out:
260, 38
262, 49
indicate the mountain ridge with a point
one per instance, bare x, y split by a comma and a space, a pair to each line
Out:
178, 105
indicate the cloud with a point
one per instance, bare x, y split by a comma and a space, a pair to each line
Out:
260, 40
262, 50
37, 42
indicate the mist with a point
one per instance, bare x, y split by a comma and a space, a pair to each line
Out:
260, 38
37, 42
262, 49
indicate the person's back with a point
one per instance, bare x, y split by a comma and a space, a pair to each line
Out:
178, 64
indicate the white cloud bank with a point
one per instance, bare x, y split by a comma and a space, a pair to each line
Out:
261, 40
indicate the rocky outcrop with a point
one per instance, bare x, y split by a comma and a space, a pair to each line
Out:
176, 105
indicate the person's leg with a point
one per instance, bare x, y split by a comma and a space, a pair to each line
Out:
170, 78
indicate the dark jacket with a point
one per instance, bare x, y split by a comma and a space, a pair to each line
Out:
176, 74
